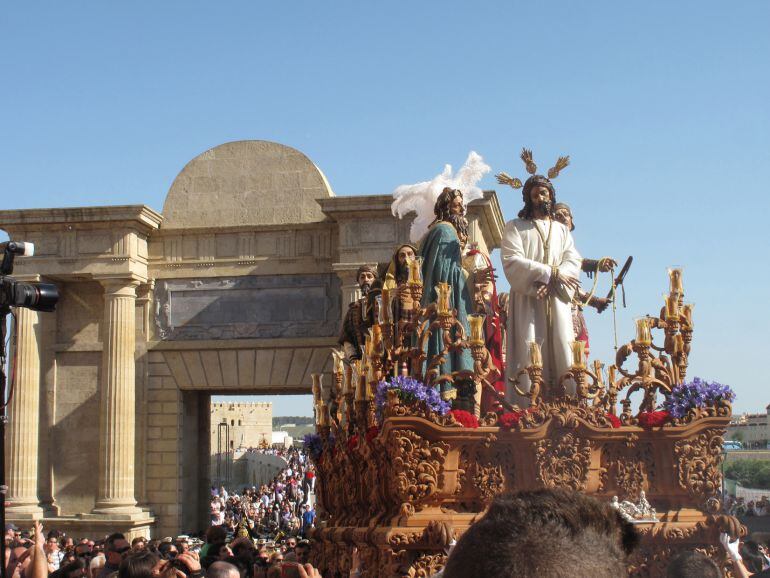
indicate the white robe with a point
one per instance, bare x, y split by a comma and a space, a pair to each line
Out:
524, 263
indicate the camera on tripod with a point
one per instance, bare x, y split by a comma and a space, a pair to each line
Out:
13, 293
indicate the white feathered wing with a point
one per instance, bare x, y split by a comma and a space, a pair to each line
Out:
421, 197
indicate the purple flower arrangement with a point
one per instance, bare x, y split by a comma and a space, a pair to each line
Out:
696, 394
410, 391
313, 445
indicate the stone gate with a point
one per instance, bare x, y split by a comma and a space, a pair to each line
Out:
237, 287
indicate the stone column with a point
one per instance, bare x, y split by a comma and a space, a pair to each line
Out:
117, 429
24, 418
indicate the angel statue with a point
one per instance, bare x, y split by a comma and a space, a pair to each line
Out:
441, 231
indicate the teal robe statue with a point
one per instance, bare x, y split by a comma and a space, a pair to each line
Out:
442, 261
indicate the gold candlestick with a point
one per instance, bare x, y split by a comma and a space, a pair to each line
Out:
385, 313
672, 306
477, 329
535, 355
443, 298
578, 354
687, 314
643, 335
675, 279
415, 272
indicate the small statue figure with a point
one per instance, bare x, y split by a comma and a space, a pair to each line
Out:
483, 289
590, 267
354, 326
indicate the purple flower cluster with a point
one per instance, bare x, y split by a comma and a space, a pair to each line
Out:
313, 445
410, 391
696, 394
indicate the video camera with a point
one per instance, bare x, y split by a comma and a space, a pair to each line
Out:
13, 293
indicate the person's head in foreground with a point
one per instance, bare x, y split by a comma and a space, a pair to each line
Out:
691, 564
544, 534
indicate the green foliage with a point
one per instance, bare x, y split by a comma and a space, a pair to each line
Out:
738, 436
750, 473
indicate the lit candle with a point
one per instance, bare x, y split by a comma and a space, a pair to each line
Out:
535, 355
385, 315
443, 295
643, 335
578, 354
672, 306
415, 273
477, 329
675, 278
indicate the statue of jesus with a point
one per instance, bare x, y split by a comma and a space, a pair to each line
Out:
542, 266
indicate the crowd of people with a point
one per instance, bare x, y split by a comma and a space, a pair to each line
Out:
740, 507
283, 507
256, 533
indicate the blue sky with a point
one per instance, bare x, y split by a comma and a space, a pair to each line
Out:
663, 107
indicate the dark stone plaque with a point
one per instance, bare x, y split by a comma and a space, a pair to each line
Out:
248, 307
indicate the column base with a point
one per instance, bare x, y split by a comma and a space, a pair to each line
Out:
139, 523
108, 509
23, 512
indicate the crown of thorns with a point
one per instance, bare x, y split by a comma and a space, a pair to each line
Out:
529, 163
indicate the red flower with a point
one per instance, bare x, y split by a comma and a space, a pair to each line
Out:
352, 442
509, 420
614, 420
465, 418
653, 418
372, 433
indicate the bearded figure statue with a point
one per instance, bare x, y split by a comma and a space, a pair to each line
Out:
485, 300
358, 317
441, 253
440, 229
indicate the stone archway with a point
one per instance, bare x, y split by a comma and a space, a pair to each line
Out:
238, 287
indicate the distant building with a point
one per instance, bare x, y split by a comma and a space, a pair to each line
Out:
751, 429
241, 425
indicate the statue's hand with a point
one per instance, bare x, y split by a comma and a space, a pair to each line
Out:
541, 290
607, 264
600, 303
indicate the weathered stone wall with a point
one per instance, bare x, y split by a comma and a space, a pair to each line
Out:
250, 424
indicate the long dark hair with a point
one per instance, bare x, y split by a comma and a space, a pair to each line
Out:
528, 212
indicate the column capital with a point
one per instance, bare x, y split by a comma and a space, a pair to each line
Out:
119, 286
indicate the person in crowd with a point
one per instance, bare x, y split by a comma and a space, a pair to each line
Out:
53, 551
116, 547
544, 533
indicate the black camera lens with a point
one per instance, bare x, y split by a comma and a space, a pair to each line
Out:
35, 296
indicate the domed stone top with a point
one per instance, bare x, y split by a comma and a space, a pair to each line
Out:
246, 183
